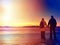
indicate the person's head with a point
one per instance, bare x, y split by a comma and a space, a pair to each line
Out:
52, 16
43, 19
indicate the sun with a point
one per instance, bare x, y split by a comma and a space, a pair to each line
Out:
6, 19
6, 16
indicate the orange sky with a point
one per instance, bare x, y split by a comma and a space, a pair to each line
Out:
17, 13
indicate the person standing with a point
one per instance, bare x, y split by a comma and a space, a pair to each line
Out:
42, 26
52, 24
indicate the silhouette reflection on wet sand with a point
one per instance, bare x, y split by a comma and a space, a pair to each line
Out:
33, 38
52, 42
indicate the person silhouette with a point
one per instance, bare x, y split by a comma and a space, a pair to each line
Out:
52, 24
42, 27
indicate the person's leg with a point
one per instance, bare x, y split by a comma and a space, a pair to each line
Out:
50, 33
43, 35
54, 33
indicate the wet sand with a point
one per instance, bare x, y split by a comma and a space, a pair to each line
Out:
24, 36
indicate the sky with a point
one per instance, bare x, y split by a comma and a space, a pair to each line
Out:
53, 7
28, 12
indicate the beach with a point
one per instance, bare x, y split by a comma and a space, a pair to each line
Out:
24, 36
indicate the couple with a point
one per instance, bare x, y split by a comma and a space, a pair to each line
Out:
51, 24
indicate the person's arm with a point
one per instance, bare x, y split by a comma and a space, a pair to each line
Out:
49, 23
40, 24
45, 24
56, 22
